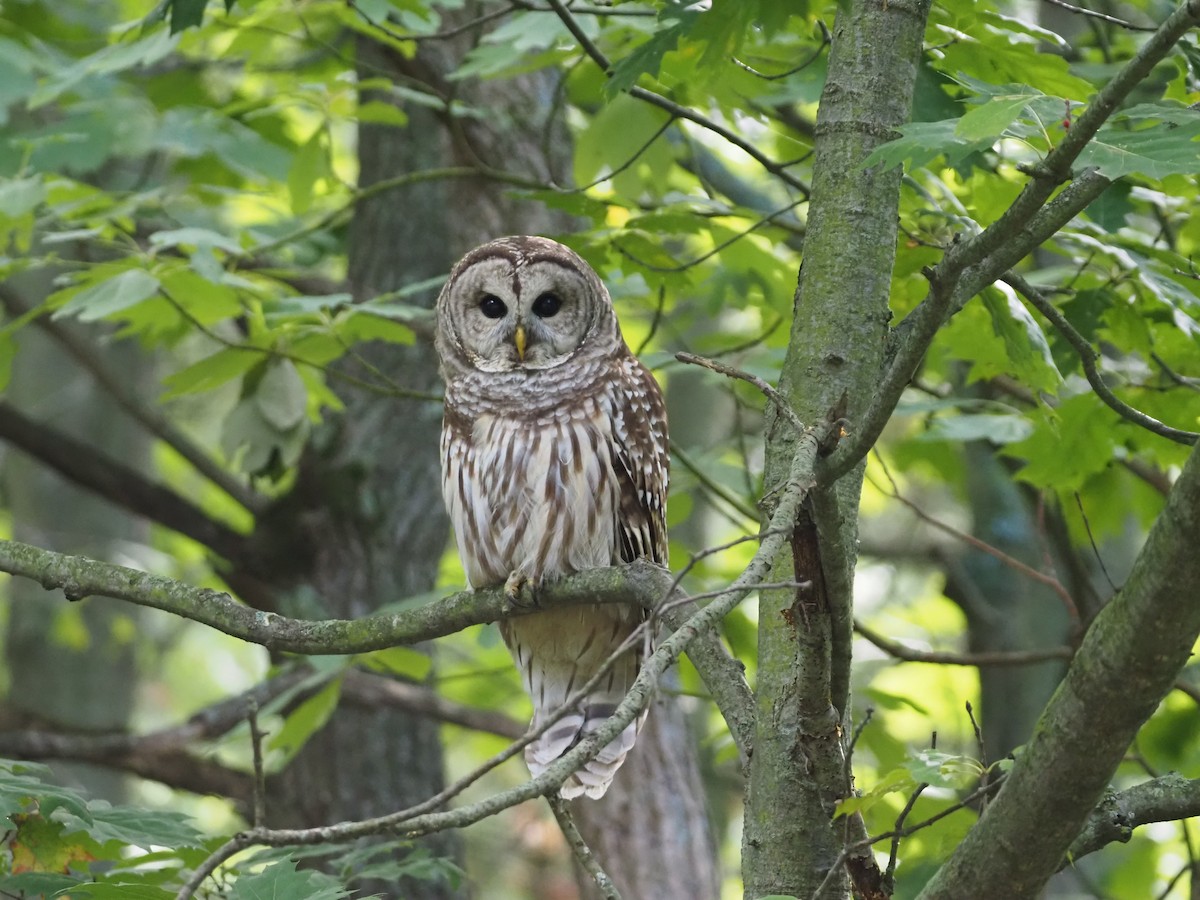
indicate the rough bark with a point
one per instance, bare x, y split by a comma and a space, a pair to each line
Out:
651, 829
835, 355
1127, 662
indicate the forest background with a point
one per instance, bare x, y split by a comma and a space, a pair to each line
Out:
223, 226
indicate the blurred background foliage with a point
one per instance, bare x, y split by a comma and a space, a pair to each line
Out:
177, 201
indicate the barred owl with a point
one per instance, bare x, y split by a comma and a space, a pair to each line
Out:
554, 460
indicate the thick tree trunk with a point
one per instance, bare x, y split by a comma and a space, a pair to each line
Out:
835, 355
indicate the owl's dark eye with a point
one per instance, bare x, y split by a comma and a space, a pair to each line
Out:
546, 305
492, 306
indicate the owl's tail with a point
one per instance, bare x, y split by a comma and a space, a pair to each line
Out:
557, 652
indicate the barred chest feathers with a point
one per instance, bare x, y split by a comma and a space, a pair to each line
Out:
532, 494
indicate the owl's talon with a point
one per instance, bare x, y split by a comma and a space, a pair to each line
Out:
520, 591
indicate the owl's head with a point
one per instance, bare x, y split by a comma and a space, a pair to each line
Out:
523, 303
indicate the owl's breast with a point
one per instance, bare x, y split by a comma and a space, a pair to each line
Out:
533, 493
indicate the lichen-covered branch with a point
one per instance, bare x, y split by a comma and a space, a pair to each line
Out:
1167, 798
640, 582
79, 577
1128, 660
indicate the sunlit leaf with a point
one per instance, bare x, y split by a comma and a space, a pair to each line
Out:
111, 295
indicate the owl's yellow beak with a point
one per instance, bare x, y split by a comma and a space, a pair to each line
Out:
519, 340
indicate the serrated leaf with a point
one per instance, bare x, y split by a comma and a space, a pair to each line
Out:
922, 142
647, 57
1161, 150
283, 882
1068, 447
43, 845
141, 827
1024, 341
109, 296
991, 119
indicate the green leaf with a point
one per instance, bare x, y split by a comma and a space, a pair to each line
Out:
1158, 151
991, 119
283, 882
922, 142
281, 396
1024, 341
21, 195
186, 13
112, 295
121, 889
210, 372
194, 237
141, 827
1067, 448
406, 662
381, 113
307, 719
946, 770
310, 165
647, 57
896, 781
997, 428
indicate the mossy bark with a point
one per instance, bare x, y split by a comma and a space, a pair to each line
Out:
1127, 662
834, 360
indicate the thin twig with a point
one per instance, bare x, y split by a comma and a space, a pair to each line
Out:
771, 394
1103, 17
1088, 357
260, 781
1092, 540
983, 546
580, 850
979, 660
889, 874
712, 486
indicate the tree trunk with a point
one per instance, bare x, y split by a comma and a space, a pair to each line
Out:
835, 355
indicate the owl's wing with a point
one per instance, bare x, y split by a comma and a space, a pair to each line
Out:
641, 460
